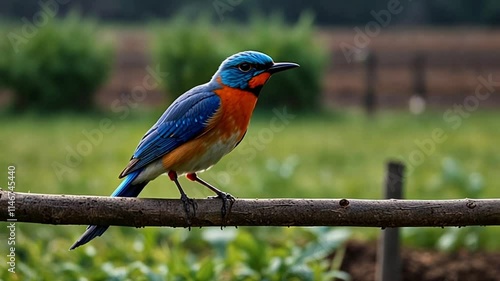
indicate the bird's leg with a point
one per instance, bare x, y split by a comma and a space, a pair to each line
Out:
184, 198
227, 199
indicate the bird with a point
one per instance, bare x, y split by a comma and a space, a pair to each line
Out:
196, 131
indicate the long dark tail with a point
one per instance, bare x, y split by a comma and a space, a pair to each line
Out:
125, 189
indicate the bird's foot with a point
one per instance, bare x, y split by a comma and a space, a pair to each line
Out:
227, 204
188, 205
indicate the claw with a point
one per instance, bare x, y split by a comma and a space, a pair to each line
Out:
227, 199
188, 204
186, 201
227, 204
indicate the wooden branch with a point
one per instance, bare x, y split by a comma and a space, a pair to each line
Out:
139, 212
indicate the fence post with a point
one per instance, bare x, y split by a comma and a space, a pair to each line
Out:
420, 88
418, 99
389, 267
371, 76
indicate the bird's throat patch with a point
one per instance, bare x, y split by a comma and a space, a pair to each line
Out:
259, 80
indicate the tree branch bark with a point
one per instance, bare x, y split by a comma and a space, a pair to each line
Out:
140, 212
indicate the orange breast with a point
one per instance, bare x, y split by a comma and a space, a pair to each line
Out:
236, 109
224, 131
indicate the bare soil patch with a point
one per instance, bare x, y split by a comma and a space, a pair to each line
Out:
424, 265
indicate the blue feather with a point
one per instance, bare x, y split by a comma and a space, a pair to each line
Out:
184, 120
233, 77
125, 189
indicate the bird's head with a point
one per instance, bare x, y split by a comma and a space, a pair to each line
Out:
249, 70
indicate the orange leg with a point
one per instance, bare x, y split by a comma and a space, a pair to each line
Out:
227, 199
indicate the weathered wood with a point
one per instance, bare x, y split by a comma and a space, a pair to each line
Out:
139, 212
419, 82
388, 254
370, 97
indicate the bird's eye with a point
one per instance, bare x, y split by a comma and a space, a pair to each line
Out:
245, 67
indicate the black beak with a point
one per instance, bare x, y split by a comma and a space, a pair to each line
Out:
280, 66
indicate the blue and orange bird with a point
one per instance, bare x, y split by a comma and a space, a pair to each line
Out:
197, 130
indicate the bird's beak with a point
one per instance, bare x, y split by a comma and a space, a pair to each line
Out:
280, 66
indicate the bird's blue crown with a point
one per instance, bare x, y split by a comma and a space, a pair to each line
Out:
237, 70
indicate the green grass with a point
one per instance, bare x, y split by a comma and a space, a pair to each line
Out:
328, 156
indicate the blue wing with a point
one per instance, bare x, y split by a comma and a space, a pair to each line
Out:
184, 120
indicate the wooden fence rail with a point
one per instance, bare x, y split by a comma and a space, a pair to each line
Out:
139, 212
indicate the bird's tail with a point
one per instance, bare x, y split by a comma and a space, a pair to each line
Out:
125, 189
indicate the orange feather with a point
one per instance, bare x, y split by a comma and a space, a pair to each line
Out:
259, 80
229, 124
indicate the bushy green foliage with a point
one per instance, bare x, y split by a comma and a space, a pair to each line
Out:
5, 58
187, 51
192, 53
299, 89
58, 67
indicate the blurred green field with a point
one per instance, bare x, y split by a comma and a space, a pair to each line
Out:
327, 156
